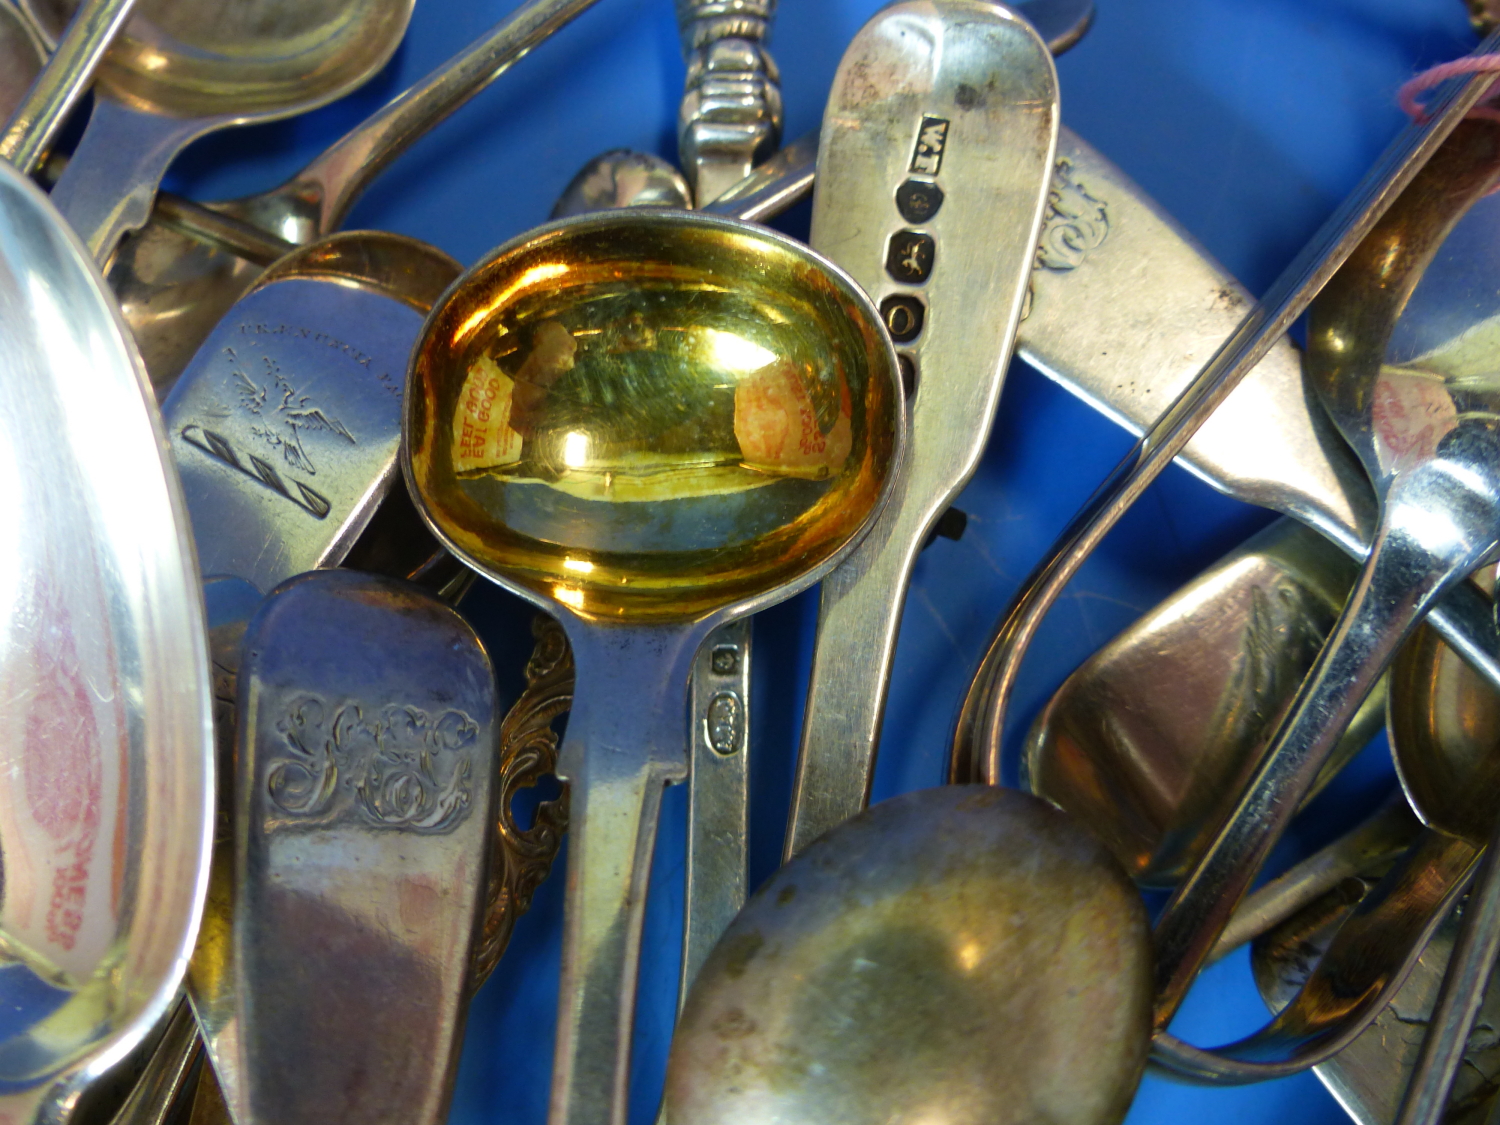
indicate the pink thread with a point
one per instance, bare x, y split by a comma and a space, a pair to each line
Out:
1406, 97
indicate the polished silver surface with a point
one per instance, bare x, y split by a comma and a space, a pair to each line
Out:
285, 426
22, 57
730, 118
718, 845
34, 124
1372, 846
1144, 742
364, 800
1258, 332
175, 287
1424, 426
965, 955
932, 198
106, 818
178, 74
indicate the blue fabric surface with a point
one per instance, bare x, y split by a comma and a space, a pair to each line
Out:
1246, 119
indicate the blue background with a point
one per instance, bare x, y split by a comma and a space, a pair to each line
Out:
1246, 119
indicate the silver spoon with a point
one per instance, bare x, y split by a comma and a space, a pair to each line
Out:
174, 286
915, 175
615, 417
181, 71
368, 739
1145, 739
1431, 448
969, 955
107, 811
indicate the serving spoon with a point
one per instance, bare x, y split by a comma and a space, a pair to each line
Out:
106, 817
1427, 436
648, 423
176, 278
969, 955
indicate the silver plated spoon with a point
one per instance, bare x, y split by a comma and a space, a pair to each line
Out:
933, 198
176, 279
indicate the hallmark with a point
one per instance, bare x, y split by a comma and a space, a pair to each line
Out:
400, 768
1075, 225
927, 157
725, 722
218, 447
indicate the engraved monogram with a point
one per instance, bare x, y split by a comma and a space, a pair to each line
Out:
1075, 225
401, 768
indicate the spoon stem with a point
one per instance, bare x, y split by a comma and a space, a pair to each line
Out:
1404, 577
110, 183
337, 177
624, 744
1464, 985
34, 125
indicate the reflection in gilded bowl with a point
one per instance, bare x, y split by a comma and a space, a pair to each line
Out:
651, 415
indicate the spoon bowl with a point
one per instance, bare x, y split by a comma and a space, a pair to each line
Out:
968, 955
646, 418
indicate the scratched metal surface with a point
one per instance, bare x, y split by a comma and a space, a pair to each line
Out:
1248, 121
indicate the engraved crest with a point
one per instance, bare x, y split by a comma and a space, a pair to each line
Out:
1075, 225
401, 768
220, 449
285, 414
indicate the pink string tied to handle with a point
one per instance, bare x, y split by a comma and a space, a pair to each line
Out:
1410, 90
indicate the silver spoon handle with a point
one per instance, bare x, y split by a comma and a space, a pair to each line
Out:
34, 125
340, 174
624, 743
110, 183
731, 108
719, 794
1464, 985
1403, 579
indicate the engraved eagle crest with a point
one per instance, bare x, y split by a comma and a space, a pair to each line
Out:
286, 414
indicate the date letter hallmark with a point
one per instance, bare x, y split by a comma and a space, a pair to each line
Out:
401, 768
1076, 223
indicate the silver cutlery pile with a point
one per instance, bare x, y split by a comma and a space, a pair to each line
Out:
258, 845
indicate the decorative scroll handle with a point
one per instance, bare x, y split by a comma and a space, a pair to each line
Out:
528, 752
731, 107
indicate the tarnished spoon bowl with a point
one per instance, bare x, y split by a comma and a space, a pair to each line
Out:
650, 416
243, 60
966, 955
1445, 738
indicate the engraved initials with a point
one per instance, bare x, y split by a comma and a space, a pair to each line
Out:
401, 768
1076, 223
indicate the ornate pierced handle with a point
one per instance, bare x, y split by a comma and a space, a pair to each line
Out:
731, 107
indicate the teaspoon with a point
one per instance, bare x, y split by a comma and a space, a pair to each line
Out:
181, 70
